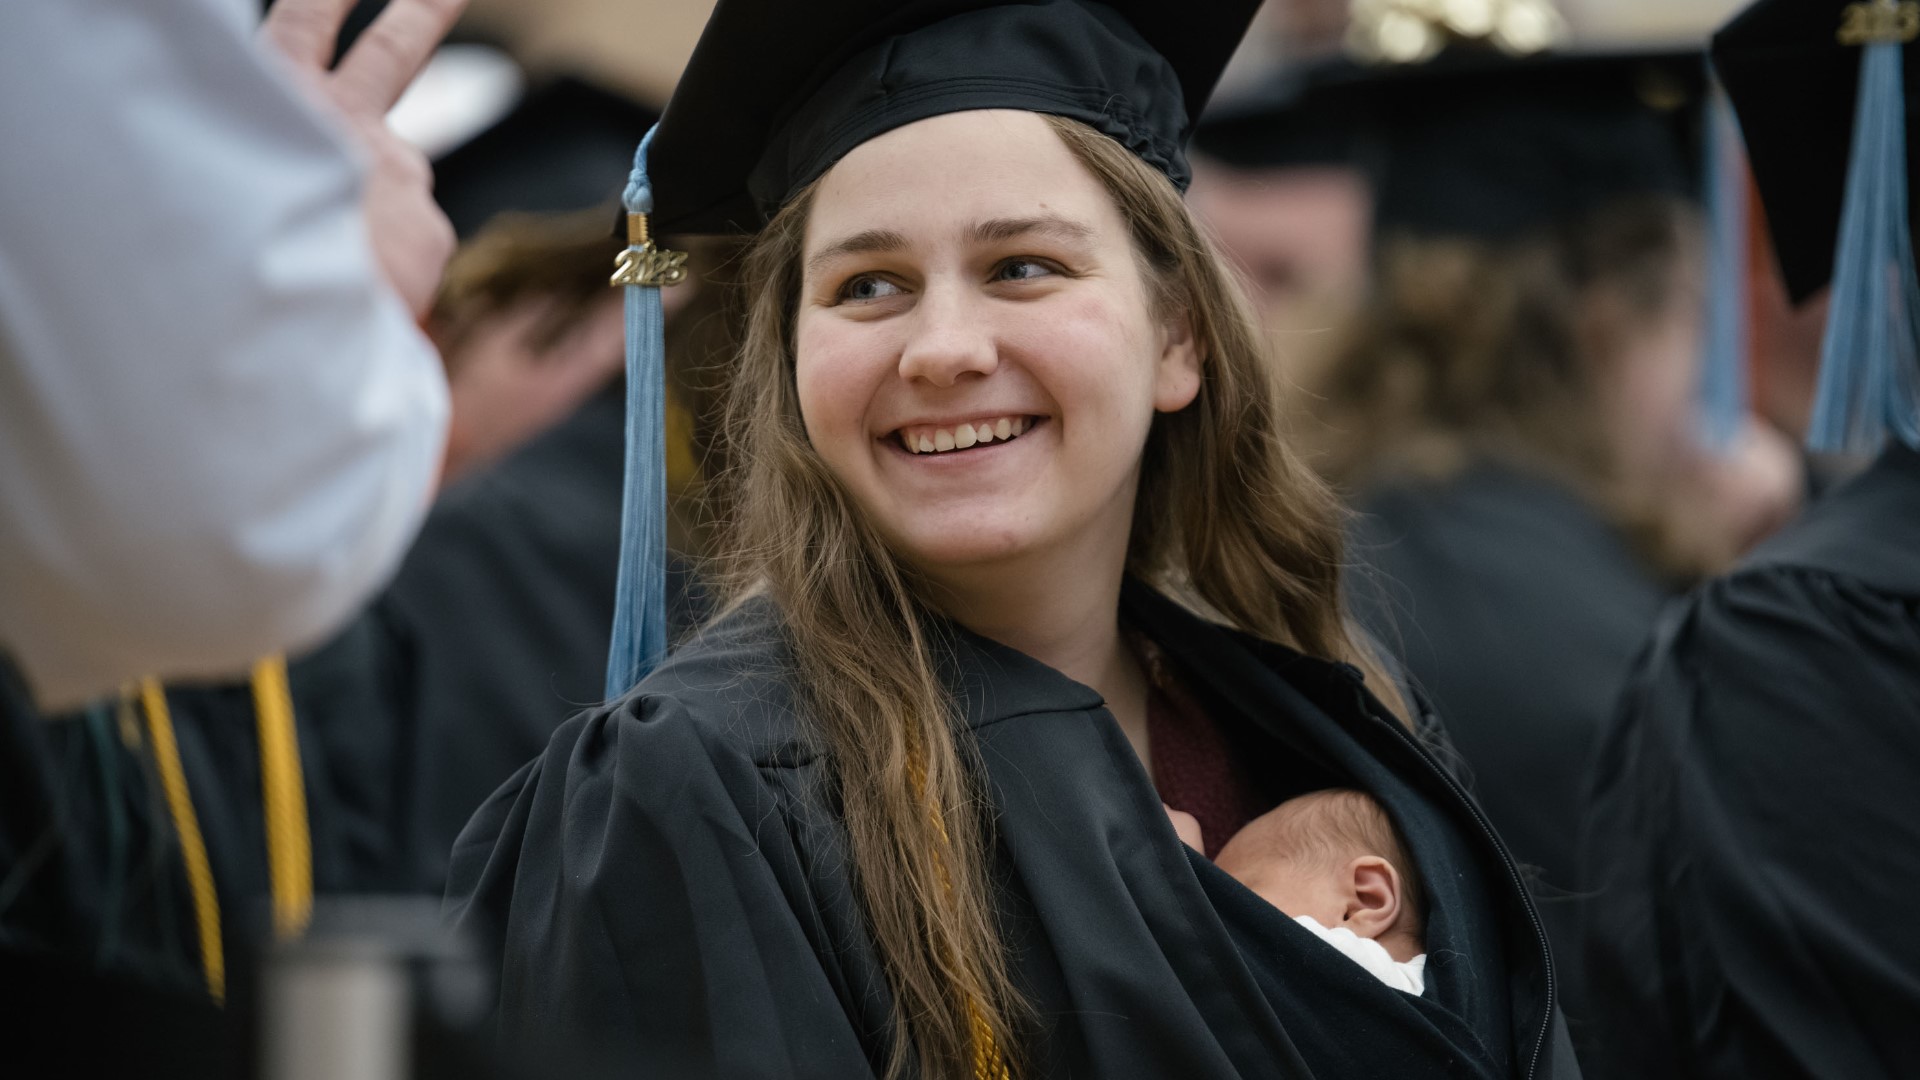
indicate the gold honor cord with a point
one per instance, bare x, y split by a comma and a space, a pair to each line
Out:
283, 791
186, 826
987, 1061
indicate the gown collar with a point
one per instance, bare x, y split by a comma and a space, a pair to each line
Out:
994, 682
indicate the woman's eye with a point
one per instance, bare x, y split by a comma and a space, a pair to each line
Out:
868, 287
1021, 270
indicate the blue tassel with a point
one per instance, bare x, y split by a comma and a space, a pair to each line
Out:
1869, 370
640, 598
1723, 370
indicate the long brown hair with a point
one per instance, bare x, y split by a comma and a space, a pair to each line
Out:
1469, 349
1228, 518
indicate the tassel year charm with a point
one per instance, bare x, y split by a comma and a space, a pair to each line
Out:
644, 264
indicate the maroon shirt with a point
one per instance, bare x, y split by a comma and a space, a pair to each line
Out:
1194, 767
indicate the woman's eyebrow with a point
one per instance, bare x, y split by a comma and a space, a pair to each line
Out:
996, 230
993, 230
861, 243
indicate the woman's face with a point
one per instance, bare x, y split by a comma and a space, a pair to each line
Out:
978, 360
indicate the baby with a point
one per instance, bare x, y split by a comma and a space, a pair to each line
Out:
1332, 860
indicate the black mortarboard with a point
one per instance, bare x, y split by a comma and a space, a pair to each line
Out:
1795, 87
1482, 144
1824, 90
566, 146
777, 91
1296, 117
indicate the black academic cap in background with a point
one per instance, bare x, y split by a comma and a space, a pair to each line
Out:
1483, 145
568, 145
1794, 86
779, 90
1298, 117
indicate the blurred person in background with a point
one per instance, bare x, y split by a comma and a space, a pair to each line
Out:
1754, 838
219, 456
1514, 411
496, 627
528, 332
1280, 176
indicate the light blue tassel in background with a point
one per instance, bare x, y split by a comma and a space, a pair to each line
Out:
640, 598
1723, 369
1870, 358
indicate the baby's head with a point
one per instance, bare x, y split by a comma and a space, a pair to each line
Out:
1333, 855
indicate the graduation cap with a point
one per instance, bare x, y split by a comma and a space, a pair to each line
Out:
777, 92
1482, 144
566, 146
1822, 92
1296, 117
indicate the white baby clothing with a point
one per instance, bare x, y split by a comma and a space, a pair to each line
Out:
1370, 954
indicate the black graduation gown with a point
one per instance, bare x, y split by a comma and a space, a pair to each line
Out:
494, 631
101, 966
1517, 611
499, 617
100, 970
668, 887
1755, 831
90, 856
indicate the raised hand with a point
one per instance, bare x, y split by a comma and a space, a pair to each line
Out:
411, 236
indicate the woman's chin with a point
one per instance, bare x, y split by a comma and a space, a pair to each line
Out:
937, 551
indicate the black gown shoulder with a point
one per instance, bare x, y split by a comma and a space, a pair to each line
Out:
649, 876
1755, 839
669, 882
1518, 610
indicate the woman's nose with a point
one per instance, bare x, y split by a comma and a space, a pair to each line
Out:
949, 338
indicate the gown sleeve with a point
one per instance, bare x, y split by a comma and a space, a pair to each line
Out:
650, 907
1755, 839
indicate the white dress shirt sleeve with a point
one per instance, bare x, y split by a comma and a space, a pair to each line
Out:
219, 429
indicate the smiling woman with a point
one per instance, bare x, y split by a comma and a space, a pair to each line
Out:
980, 310
1004, 431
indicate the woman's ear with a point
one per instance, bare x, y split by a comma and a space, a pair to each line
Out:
1373, 896
1176, 380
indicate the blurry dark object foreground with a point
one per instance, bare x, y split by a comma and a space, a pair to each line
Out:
377, 989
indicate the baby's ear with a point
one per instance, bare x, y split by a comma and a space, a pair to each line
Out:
1373, 897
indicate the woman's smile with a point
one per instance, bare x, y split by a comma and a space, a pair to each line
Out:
975, 433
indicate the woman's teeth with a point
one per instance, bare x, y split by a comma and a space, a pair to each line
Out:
961, 436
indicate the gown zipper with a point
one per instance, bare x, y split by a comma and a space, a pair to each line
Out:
1357, 678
